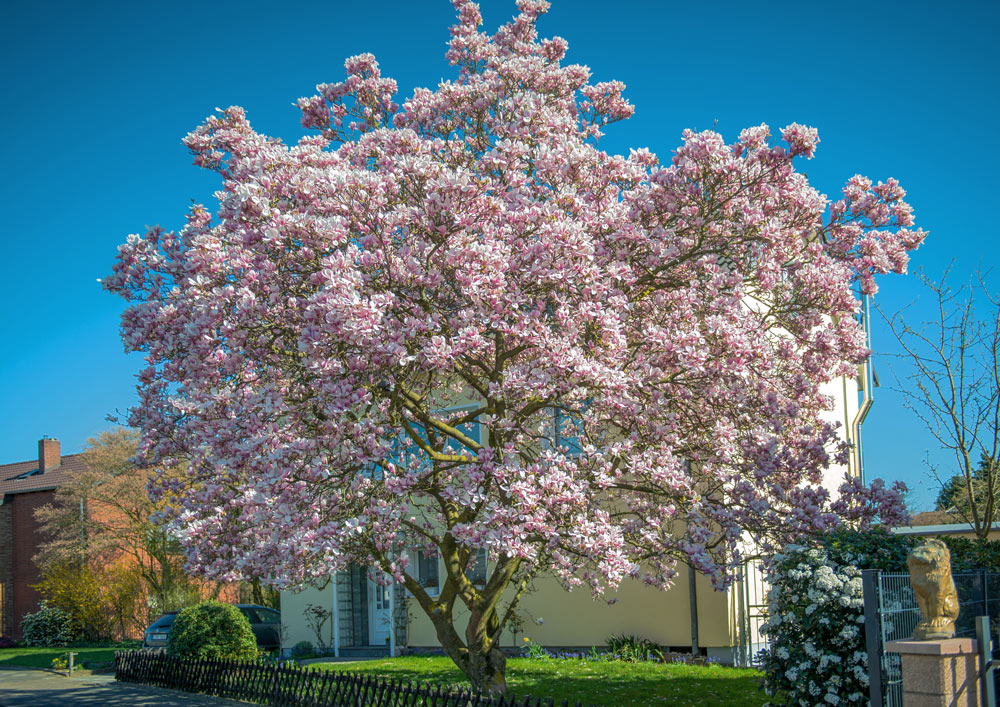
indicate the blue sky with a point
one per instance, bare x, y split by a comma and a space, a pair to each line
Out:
99, 95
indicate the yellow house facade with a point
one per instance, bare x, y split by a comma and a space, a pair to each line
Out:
352, 615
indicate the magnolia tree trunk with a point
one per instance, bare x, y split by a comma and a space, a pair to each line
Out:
477, 654
487, 663
479, 657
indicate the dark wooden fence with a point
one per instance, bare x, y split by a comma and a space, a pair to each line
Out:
292, 686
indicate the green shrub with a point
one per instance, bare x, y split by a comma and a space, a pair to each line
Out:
871, 549
878, 549
49, 627
632, 649
212, 629
303, 649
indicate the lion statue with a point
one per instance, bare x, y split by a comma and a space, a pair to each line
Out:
930, 575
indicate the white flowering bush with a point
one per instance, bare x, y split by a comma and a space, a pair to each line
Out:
815, 626
49, 627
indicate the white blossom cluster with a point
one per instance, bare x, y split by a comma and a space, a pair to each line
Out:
815, 618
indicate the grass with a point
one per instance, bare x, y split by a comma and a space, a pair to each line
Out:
590, 682
95, 658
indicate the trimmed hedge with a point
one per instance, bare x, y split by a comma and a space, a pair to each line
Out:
878, 549
213, 630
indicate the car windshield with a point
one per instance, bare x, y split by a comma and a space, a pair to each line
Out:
269, 616
250, 614
164, 621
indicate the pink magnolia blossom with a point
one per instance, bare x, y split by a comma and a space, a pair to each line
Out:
642, 341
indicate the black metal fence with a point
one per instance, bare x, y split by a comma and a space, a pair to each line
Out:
292, 686
891, 614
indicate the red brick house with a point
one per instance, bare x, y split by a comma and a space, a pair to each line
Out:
25, 487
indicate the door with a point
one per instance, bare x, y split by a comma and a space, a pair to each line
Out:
379, 618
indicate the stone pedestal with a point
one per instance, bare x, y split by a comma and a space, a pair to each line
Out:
942, 673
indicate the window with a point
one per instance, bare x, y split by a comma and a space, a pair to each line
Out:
381, 597
401, 445
251, 614
564, 433
472, 430
477, 569
427, 570
164, 621
25, 475
269, 616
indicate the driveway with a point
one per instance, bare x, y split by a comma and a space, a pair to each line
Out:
43, 688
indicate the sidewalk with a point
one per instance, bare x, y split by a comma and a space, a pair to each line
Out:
44, 688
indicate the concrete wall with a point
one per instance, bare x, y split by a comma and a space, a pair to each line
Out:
844, 391
554, 617
551, 616
295, 628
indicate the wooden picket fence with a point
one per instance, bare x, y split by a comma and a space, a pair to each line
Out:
292, 686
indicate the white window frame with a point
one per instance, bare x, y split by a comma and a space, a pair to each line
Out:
420, 557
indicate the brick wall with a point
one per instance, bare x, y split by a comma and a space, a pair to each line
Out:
19, 543
6, 571
24, 545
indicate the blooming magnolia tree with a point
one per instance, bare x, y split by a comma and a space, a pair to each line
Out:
457, 324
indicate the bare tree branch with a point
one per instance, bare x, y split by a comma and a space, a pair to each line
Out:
954, 388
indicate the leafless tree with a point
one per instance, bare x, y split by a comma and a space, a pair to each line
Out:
954, 388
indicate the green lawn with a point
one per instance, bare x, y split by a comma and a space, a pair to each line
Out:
42, 657
599, 683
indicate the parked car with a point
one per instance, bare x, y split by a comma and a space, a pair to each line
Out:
266, 625
158, 633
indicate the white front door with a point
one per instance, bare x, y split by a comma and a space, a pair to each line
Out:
379, 617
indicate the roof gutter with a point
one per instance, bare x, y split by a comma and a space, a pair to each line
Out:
947, 529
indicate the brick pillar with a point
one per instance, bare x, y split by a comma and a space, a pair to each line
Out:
48, 454
941, 673
6, 570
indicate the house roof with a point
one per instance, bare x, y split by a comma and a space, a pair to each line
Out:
945, 529
937, 523
18, 477
934, 518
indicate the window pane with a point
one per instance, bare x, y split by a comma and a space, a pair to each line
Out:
565, 432
381, 596
251, 614
269, 616
477, 569
428, 570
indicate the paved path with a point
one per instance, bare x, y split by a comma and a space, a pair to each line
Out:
43, 688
